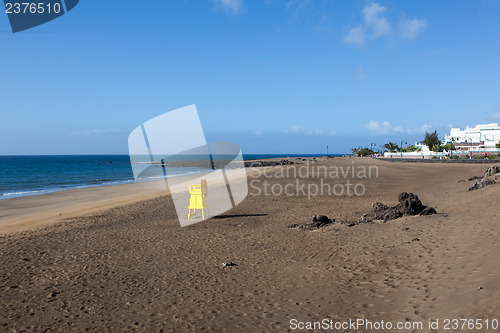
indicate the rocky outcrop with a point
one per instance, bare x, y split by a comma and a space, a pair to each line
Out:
491, 171
259, 164
482, 183
487, 178
409, 204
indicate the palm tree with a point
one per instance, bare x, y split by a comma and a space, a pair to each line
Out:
391, 146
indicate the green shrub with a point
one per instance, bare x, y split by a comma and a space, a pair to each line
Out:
365, 152
449, 146
437, 148
411, 149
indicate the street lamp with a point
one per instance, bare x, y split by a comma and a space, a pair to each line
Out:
372, 145
327, 151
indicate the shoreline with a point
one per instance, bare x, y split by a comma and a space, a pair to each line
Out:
30, 192
35, 211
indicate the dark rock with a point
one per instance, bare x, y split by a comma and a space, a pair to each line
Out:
54, 294
316, 222
228, 264
378, 211
364, 219
392, 214
319, 221
482, 183
428, 211
487, 178
491, 171
258, 164
409, 204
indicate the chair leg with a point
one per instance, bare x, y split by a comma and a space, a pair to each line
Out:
208, 211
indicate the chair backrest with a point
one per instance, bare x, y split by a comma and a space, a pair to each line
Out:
201, 188
204, 188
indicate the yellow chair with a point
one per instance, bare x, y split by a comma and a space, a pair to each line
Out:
198, 199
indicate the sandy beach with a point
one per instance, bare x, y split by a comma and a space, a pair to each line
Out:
116, 259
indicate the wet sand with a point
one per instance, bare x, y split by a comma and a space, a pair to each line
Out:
127, 265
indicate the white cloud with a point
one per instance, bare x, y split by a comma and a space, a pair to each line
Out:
297, 129
376, 25
386, 127
95, 132
409, 29
373, 18
422, 129
258, 132
355, 36
233, 7
373, 22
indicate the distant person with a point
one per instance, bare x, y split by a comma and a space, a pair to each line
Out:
485, 155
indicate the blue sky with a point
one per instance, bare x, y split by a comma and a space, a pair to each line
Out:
273, 76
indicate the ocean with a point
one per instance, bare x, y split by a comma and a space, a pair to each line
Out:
34, 175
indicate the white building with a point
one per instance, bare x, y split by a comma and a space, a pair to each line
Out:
481, 136
474, 141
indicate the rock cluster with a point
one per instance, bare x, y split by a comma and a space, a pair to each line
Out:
409, 204
258, 164
491, 171
487, 178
